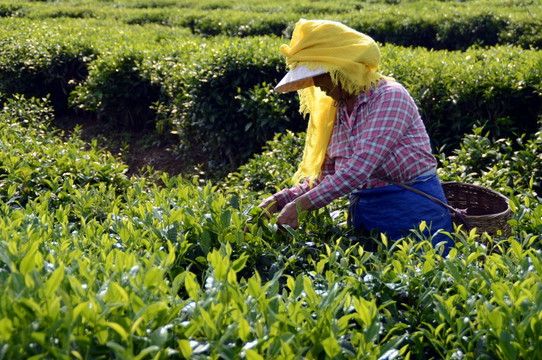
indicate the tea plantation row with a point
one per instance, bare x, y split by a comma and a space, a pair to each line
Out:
212, 92
97, 265
451, 25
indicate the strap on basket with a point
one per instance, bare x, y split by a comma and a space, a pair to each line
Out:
454, 212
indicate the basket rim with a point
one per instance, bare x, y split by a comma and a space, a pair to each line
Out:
505, 213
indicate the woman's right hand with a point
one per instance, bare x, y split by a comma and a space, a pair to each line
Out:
269, 206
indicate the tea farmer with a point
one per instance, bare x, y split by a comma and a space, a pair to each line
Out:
364, 136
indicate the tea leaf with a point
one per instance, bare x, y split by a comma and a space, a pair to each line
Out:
186, 349
76, 355
244, 329
384, 239
6, 329
54, 281
159, 336
331, 346
28, 263
147, 351
134, 328
191, 285
290, 283
309, 290
517, 249
240, 263
507, 345
253, 355
118, 329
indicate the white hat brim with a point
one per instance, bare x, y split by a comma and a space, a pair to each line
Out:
298, 78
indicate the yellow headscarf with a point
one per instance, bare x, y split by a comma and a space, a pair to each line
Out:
350, 57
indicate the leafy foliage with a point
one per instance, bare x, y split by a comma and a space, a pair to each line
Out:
32, 167
216, 95
118, 92
458, 90
223, 107
452, 25
272, 168
94, 265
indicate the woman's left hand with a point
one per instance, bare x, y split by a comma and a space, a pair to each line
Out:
289, 214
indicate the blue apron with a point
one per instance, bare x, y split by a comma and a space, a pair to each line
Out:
394, 210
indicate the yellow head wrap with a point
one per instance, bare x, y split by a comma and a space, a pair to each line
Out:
350, 57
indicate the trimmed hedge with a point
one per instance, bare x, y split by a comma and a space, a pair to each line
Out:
498, 87
118, 92
432, 28
215, 93
222, 106
52, 58
41, 61
432, 24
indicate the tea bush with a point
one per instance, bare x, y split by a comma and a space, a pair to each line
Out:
498, 87
10, 10
269, 170
456, 90
508, 165
448, 25
118, 92
72, 255
40, 65
53, 58
97, 265
93, 264
423, 24
33, 167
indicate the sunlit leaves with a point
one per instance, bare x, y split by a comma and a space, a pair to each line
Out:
93, 264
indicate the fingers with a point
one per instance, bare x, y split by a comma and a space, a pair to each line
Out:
288, 216
269, 205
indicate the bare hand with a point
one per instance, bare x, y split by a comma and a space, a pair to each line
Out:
288, 216
269, 206
290, 213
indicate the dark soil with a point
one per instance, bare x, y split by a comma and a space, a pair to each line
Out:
137, 148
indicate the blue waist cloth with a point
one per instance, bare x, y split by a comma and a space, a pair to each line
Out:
394, 210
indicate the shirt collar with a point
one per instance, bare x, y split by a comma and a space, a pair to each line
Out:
361, 99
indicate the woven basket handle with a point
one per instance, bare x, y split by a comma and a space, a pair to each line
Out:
454, 211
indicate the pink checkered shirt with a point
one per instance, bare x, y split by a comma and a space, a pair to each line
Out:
386, 140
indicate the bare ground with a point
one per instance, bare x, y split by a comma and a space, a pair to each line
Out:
138, 149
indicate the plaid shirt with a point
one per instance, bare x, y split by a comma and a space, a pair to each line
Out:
387, 140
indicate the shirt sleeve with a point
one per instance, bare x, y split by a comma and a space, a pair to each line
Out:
285, 196
376, 134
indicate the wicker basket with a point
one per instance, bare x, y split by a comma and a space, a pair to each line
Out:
485, 209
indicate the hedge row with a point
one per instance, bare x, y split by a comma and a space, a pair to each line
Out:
430, 24
216, 94
499, 87
40, 58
